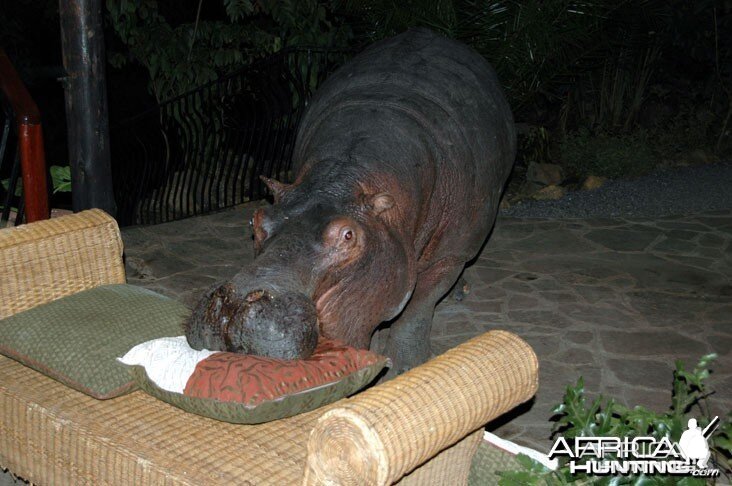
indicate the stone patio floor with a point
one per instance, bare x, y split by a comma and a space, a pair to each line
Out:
616, 301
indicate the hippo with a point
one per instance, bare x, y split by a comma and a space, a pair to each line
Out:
400, 158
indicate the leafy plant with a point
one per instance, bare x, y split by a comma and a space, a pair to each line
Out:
533, 45
610, 97
18, 186
604, 417
693, 127
182, 57
584, 153
60, 178
176, 58
698, 29
536, 46
533, 145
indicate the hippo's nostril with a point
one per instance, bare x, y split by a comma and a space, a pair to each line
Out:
256, 295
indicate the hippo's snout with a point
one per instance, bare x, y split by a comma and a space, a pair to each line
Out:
261, 322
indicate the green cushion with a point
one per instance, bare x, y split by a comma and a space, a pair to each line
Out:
284, 406
76, 339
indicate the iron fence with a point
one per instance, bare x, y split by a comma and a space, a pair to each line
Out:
11, 200
205, 150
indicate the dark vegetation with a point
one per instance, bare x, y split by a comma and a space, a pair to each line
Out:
609, 88
580, 416
603, 87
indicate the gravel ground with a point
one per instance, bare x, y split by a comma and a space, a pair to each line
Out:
665, 192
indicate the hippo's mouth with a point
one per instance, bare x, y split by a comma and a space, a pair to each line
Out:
262, 322
340, 317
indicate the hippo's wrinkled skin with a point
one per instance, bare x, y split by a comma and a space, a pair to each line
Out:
401, 159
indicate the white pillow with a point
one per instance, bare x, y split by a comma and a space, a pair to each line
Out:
168, 361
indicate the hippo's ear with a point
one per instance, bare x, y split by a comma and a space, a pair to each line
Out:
378, 203
277, 188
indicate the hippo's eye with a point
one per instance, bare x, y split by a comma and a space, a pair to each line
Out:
343, 234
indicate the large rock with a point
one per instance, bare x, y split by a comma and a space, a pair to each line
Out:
549, 193
697, 156
528, 189
545, 174
593, 182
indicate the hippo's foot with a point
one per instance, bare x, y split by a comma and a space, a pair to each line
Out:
460, 290
408, 344
406, 353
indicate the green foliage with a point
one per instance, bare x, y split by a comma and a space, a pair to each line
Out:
531, 44
722, 443
604, 417
535, 45
60, 178
603, 154
700, 30
693, 127
180, 58
593, 61
611, 97
18, 186
306, 23
608, 85
177, 58
629, 154
533, 145
595, 58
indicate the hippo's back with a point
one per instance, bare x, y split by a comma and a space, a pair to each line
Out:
445, 86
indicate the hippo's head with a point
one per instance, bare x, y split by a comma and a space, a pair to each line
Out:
328, 263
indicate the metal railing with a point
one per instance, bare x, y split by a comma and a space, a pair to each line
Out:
205, 150
28, 160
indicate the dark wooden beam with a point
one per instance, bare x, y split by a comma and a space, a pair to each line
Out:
87, 120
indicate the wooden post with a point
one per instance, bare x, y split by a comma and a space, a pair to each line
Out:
82, 39
30, 141
33, 163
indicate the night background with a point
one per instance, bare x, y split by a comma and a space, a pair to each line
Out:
609, 253
605, 89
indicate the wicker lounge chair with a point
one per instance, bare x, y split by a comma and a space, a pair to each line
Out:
421, 428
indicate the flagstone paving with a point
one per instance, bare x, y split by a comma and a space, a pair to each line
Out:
615, 301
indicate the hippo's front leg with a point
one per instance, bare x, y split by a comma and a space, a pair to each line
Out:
408, 344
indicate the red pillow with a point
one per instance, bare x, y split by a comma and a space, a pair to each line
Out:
251, 380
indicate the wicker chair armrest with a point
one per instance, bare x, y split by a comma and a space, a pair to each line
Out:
46, 260
387, 431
